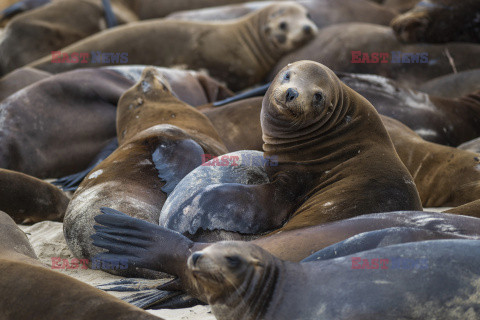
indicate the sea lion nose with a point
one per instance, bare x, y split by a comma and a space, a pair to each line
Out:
291, 95
195, 257
307, 29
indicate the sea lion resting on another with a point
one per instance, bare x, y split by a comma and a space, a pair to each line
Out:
47, 293
440, 21
161, 139
150, 246
240, 52
332, 151
242, 281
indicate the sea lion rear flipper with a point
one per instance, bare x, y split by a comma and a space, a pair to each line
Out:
143, 244
71, 182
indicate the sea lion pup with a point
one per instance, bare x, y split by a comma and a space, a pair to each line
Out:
240, 52
28, 200
161, 139
242, 281
24, 279
57, 126
151, 246
322, 12
332, 151
440, 21
337, 46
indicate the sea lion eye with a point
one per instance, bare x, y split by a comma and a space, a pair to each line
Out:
283, 25
317, 97
286, 77
309, 16
233, 261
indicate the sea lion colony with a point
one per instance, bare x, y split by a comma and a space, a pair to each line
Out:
274, 157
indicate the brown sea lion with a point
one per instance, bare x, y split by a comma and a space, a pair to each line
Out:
327, 140
444, 176
322, 12
151, 246
454, 85
240, 52
242, 282
83, 105
161, 139
37, 33
20, 79
333, 46
27, 199
440, 21
49, 294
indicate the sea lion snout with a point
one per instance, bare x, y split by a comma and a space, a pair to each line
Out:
291, 95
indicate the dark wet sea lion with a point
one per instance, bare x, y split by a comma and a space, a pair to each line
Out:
83, 105
440, 21
27, 199
333, 46
240, 52
161, 139
150, 246
20, 79
242, 281
49, 294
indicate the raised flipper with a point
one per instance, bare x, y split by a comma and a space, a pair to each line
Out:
71, 182
142, 244
109, 15
259, 91
377, 239
21, 6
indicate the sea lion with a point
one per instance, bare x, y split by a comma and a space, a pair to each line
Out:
243, 281
454, 85
26, 280
37, 33
240, 52
83, 104
20, 79
165, 250
322, 12
472, 145
27, 199
439, 21
333, 46
326, 139
161, 139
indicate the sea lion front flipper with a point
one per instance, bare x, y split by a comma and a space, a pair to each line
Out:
71, 182
143, 244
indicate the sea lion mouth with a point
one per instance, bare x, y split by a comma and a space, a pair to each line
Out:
282, 107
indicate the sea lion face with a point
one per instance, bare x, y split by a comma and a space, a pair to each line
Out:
303, 95
223, 267
289, 27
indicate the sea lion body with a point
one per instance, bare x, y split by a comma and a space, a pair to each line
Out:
454, 85
20, 79
242, 281
240, 52
161, 139
326, 145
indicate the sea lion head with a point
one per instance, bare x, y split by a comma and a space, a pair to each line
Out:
305, 97
230, 271
288, 26
428, 21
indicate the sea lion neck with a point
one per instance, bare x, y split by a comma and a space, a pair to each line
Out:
253, 298
313, 142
